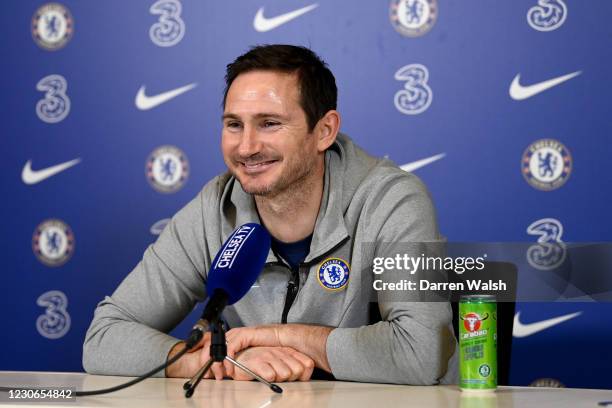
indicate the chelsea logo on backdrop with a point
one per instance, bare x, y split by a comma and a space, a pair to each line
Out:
546, 164
53, 242
548, 15
413, 18
52, 26
55, 323
334, 274
416, 96
167, 169
550, 250
170, 28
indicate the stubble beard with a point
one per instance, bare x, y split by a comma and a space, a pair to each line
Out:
291, 182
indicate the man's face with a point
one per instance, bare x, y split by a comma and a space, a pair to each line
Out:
266, 144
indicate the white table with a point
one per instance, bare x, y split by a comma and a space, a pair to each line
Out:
168, 392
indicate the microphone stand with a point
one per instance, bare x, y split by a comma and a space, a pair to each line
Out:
218, 353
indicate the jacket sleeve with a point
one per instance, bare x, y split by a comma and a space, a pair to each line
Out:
414, 342
128, 333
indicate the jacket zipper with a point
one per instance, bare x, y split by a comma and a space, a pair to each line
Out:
292, 289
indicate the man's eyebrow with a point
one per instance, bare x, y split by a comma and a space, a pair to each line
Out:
229, 116
256, 116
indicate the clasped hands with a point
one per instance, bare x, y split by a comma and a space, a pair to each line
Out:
267, 350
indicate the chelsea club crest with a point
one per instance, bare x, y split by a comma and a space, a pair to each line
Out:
52, 26
167, 169
413, 18
546, 164
333, 274
53, 242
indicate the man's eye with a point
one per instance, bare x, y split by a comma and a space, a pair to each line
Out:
270, 123
232, 125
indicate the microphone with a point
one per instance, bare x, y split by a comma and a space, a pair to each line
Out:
233, 271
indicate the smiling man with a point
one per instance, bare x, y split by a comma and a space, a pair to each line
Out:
323, 200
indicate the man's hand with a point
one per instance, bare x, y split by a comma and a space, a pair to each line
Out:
307, 339
275, 364
187, 365
193, 360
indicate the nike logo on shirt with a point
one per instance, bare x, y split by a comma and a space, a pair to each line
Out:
144, 102
30, 176
263, 24
524, 330
520, 92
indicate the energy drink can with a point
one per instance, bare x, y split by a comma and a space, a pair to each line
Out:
478, 343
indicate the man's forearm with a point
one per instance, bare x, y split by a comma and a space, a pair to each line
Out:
116, 347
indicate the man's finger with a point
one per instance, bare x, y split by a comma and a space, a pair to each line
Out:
217, 369
296, 366
306, 361
237, 340
204, 354
240, 375
256, 360
266, 371
282, 372
229, 368
259, 367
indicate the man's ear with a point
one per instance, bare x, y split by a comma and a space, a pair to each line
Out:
327, 129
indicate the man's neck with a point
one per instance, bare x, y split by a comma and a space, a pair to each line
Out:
291, 215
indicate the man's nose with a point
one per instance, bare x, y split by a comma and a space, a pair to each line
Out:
249, 142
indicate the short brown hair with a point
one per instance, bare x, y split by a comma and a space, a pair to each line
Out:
318, 91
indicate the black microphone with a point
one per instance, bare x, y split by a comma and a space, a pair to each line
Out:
233, 271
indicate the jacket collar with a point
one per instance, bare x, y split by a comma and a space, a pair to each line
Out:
330, 229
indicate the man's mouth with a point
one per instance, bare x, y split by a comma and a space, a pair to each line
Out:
257, 167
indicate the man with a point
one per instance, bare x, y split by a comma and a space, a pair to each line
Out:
322, 199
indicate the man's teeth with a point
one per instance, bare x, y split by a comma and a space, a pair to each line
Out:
253, 165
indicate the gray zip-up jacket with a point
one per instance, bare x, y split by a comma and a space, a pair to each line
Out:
365, 200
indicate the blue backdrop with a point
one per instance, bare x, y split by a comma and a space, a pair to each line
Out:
417, 79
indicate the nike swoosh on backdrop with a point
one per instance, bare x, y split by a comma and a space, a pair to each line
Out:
144, 102
519, 92
421, 163
30, 176
263, 24
524, 330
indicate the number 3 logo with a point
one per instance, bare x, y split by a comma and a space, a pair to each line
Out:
55, 323
550, 251
55, 106
416, 96
548, 15
170, 28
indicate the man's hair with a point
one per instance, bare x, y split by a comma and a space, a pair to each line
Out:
317, 85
